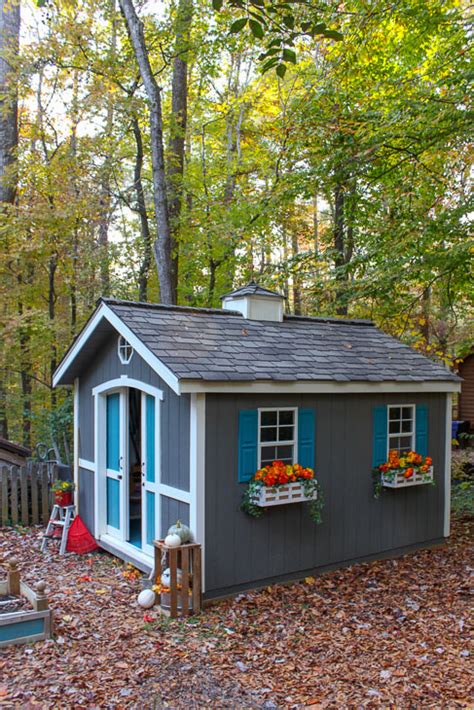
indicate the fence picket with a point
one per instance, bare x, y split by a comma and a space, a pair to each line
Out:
34, 494
4, 474
24, 476
14, 495
44, 493
25, 493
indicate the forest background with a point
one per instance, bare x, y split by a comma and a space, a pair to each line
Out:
172, 150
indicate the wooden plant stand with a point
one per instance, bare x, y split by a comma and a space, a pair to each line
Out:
187, 558
26, 625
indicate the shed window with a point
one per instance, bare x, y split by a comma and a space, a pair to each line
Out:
401, 428
277, 436
125, 350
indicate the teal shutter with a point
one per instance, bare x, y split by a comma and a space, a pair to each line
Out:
379, 434
306, 432
248, 438
421, 423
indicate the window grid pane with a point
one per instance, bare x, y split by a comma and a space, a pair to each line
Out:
277, 436
401, 429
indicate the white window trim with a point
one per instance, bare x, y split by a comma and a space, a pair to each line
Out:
122, 343
293, 442
412, 433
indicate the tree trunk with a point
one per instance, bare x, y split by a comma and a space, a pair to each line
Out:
176, 146
104, 201
9, 44
3, 408
9, 47
316, 226
339, 258
426, 312
162, 246
53, 265
296, 279
25, 368
142, 212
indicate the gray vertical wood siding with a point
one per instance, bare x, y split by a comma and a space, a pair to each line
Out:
86, 498
175, 412
171, 511
175, 430
243, 552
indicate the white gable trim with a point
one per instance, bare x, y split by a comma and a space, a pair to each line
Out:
105, 312
278, 387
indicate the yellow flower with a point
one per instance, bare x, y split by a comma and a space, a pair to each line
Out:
403, 463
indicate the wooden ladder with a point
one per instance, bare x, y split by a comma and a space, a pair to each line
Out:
61, 517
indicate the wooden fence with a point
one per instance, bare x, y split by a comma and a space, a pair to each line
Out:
25, 493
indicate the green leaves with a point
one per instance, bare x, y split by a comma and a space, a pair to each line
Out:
256, 29
238, 25
279, 25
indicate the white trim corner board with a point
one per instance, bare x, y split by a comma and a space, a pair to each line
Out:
76, 430
447, 466
197, 467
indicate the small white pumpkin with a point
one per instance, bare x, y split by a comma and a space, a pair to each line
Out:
182, 530
166, 577
146, 598
173, 540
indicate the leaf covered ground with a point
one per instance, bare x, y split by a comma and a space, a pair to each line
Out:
392, 632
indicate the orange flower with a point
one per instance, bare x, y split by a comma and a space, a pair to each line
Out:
409, 473
428, 460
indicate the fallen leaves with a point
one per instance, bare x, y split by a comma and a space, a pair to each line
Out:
394, 633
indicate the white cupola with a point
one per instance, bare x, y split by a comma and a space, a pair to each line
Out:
255, 303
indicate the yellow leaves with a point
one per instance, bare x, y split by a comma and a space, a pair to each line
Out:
310, 580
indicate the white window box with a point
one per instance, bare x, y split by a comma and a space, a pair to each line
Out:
397, 480
281, 495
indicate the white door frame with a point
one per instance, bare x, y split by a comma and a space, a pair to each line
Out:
100, 501
150, 486
122, 532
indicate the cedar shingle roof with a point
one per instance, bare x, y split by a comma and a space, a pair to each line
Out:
253, 289
220, 345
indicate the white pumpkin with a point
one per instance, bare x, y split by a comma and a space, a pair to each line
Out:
182, 530
166, 577
173, 540
146, 598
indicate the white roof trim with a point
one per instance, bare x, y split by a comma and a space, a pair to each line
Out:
278, 387
105, 312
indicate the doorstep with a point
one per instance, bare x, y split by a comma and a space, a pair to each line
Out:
126, 552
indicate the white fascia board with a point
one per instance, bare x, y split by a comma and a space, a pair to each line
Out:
278, 387
105, 312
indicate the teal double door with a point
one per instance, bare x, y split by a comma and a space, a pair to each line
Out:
131, 476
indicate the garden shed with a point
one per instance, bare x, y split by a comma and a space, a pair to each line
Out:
176, 408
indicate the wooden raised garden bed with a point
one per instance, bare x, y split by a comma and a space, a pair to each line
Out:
280, 495
396, 479
24, 612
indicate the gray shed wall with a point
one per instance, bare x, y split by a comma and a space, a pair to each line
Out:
175, 422
86, 498
242, 551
